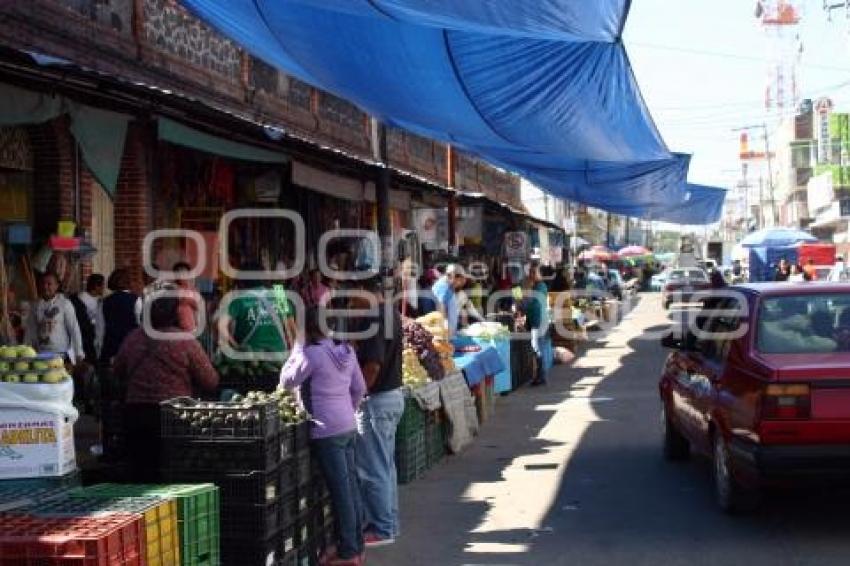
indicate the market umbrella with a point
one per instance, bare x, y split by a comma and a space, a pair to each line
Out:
598, 253
632, 251
775, 237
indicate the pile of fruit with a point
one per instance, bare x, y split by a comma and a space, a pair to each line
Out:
236, 370
22, 364
422, 343
487, 330
413, 374
288, 407
436, 324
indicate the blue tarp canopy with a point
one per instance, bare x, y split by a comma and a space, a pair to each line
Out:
540, 87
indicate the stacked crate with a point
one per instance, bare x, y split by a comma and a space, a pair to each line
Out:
198, 515
411, 448
113, 540
238, 447
162, 543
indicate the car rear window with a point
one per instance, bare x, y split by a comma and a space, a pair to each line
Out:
691, 274
804, 324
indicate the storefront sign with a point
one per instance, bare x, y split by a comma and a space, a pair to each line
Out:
516, 245
427, 224
820, 192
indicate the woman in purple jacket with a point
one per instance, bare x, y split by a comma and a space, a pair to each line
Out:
331, 387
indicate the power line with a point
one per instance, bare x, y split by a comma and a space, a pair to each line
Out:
735, 56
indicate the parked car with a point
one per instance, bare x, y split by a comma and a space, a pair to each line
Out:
616, 284
657, 281
762, 392
682, 284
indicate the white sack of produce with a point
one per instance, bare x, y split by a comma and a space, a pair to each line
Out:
487, 330
53, 398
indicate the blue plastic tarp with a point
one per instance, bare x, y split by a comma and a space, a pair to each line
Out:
543, 87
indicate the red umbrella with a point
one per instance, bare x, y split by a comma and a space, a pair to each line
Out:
631, 251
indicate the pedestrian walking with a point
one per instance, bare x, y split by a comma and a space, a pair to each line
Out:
52, 324
536, 308
380, 359
331, 387
155, 370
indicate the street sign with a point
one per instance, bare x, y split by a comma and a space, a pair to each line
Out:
516, 245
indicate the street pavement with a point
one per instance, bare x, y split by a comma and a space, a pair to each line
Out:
572, 474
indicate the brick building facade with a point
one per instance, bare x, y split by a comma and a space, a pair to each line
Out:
158, 43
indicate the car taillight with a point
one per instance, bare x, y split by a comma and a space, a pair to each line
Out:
786, 402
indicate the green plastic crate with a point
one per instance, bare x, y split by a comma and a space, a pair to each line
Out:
198, 519
411, 456
435, 438
412, 420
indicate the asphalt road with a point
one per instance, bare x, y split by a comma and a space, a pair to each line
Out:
572, 474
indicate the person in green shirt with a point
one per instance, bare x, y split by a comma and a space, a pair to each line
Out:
260, 319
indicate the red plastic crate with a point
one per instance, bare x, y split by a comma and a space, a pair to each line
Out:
110, 540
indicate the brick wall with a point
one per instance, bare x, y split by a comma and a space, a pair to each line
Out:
132, 199
53, 175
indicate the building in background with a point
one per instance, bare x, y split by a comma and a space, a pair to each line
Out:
829, 189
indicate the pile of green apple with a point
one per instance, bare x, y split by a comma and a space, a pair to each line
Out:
22, 364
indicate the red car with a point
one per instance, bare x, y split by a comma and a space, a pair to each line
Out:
682, 284
763, 388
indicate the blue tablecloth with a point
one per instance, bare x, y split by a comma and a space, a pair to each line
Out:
477, 365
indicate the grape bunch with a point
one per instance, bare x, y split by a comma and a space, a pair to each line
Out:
418, 339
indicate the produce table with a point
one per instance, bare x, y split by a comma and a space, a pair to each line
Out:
477, 365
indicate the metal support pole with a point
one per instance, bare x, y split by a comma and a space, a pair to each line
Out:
382, 200
452, 207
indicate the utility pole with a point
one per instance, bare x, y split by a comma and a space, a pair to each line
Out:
382, 202
769, 158
773, 209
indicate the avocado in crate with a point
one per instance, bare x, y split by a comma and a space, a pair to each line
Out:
198, 515
251, 416
221, 454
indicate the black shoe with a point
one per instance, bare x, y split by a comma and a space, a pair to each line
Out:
537, 382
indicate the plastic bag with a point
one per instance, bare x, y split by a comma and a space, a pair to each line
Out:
53, 398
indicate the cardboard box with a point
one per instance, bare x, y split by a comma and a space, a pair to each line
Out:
35, 444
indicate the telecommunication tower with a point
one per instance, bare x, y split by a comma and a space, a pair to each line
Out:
780, 20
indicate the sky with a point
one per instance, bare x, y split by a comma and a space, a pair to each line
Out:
702, 66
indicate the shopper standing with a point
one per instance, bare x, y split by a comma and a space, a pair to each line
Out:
331, 387
52, 324
445, 291
119, 314
380, 359
153, 370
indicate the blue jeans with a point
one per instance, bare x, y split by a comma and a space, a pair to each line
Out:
336, 457
538, 344
377, 422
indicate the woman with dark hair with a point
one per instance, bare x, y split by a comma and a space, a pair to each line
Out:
155, 365
331, 387
119, 314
